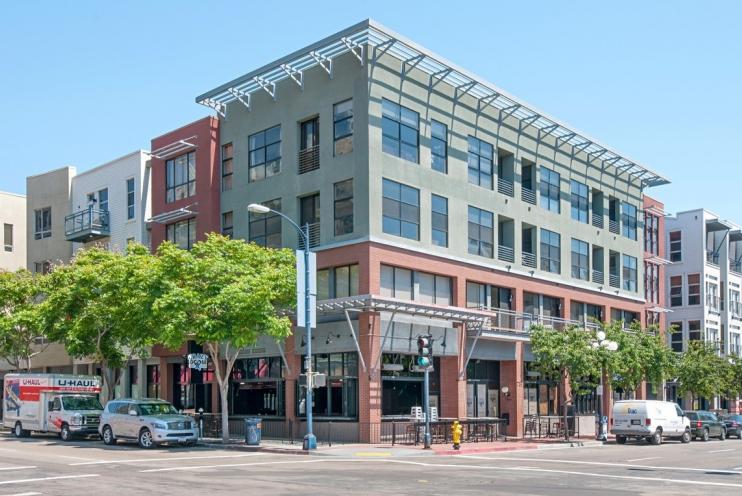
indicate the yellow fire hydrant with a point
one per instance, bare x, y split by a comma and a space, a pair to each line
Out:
456, 431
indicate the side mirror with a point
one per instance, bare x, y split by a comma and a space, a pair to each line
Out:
133, 413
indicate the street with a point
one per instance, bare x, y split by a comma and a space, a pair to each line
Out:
46, 466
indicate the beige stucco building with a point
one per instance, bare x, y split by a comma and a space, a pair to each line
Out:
13, 220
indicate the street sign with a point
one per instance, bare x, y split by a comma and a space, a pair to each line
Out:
418, 368
300, 275
198, 361
314, 380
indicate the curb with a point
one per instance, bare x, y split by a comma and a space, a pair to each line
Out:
572, 444
255, 449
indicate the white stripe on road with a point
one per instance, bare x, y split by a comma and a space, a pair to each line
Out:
177, 458
42, 479
233, 465
643, 459
25, 467
23, 494
721, 451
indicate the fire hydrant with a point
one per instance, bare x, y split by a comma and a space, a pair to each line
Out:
456, 431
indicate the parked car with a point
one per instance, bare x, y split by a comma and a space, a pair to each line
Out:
150, 422
649, 419
734, 424
705, 425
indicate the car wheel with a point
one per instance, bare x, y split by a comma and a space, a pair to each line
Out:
739, 434
621, 439
64, 433
685, 438
145, 439
656, 438
18, 430
107, 436
723, 435
705, 435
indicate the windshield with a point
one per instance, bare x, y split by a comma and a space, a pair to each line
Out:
157, 409
81, 403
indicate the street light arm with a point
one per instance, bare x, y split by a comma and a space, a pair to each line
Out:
296, 226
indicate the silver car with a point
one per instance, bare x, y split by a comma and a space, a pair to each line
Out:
150, 422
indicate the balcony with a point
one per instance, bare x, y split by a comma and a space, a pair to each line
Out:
528, 195
598, 220
598, 277
505, 187
313, 236
529, 259
712, 257
505, 253
736, 310
614, 280
614, 226
309, 159
713, 303
87, 225
735, 266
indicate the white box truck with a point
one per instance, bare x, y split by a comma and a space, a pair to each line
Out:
63, 404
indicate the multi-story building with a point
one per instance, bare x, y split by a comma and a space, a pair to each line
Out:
705, 282
384, 148
13, 220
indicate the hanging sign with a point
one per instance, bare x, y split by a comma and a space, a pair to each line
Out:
198, 361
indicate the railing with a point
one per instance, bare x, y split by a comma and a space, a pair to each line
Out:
528, 195
734, 308
614, 280
313, 236
505, 253
89, 221
598, 220
309, 159
529, 259
614, 226
712, 257
550, 426
598, 277
713, 302
735, 266
505, 186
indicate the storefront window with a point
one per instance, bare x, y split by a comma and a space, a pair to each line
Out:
540, 396
192, 388
483, 388
402, 389
258, 387
153, 381
339, 397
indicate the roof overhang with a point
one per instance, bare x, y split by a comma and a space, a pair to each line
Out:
172, 215
654, 259
735, 235
368, 35
656, 309
713, 225
174, 148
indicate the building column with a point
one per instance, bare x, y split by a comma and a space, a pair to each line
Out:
369, 382
166, 383
453, 389
511, 405
641, 391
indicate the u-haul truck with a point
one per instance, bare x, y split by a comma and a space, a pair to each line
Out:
64, 404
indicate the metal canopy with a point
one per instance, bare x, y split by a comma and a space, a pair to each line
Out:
713, 225
369, 35
735, 235
174, 147
172, 215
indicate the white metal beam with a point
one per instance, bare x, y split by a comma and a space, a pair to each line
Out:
355, 48
241, 96
324, 62
268, 86
295, 74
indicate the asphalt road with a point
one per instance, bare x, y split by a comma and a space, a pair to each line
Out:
46, 466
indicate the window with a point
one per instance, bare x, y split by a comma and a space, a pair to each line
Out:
264, 159
337, 282
130, 240
676, 291
579, 201
182, 233
342, 123
694, 330
406, 284
480, 162
400, 131
550, 189
257, 387
339, 396
676, 246
343, 207
103, 200
8, 237
439, 146
580, 260
551, 258
400, 210
694, 289
651, 233
42, 267
628, 220
439, 220
228, 224
265, 229
676, 338
227, 166
153, 381
180, 177
130, 197
629, 273
481, 232
43, 223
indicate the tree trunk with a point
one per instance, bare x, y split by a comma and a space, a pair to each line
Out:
565, 376
223, 394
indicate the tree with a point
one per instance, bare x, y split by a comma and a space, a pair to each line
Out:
224, 294
100, 305
625, 367
661, 362
700, 371
21, 335
732, 377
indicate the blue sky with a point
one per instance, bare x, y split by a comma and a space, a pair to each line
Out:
82, 83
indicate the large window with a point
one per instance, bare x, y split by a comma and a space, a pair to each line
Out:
264, 153
549, 187
694, 330
676, 291
343, 206
265, 229
551, 245
402, 389
694, 289
439, 220
43, 223
401, 210
227, 166
228, 224
481, 232
182, 233
439, 146
8, 237
676, 246
180, 176
580, 260
579, 201
629, 273
676, 338
257, 387
339, 397
628, 220
130, 199
342, 123
337, 282
405, 284
480, 162
400, 128
651, 233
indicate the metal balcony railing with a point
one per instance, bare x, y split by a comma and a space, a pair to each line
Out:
736, 310
509, 320
309, 159
713, 302
598, 277
712, 257
505, 253
528, 195
614, 280
598, 220
87, 225
529, 259
314, 232
614, 226
505, 186
735, 266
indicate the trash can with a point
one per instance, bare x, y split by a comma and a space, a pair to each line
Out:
253, 430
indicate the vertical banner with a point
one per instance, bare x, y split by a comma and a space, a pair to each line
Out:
300, 275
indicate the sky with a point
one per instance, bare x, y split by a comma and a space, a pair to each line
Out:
82, 83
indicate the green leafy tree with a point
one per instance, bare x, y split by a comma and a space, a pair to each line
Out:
732, 377
21, 332
661, 362
700, 371
100, 305
624, 367
224, 294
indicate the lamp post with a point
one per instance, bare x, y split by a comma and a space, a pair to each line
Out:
310, 441
606, 344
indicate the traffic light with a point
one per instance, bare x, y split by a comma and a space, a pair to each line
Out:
424, 351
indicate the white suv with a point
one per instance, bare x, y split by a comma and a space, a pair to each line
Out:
148, 421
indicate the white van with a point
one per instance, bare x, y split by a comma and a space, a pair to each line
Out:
649, 419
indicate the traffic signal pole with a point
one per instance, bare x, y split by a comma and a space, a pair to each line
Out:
426, 406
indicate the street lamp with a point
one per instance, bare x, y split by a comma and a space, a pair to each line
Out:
310, 441
606, 344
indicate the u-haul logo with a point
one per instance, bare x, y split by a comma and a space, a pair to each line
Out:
32, 382
77, 382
